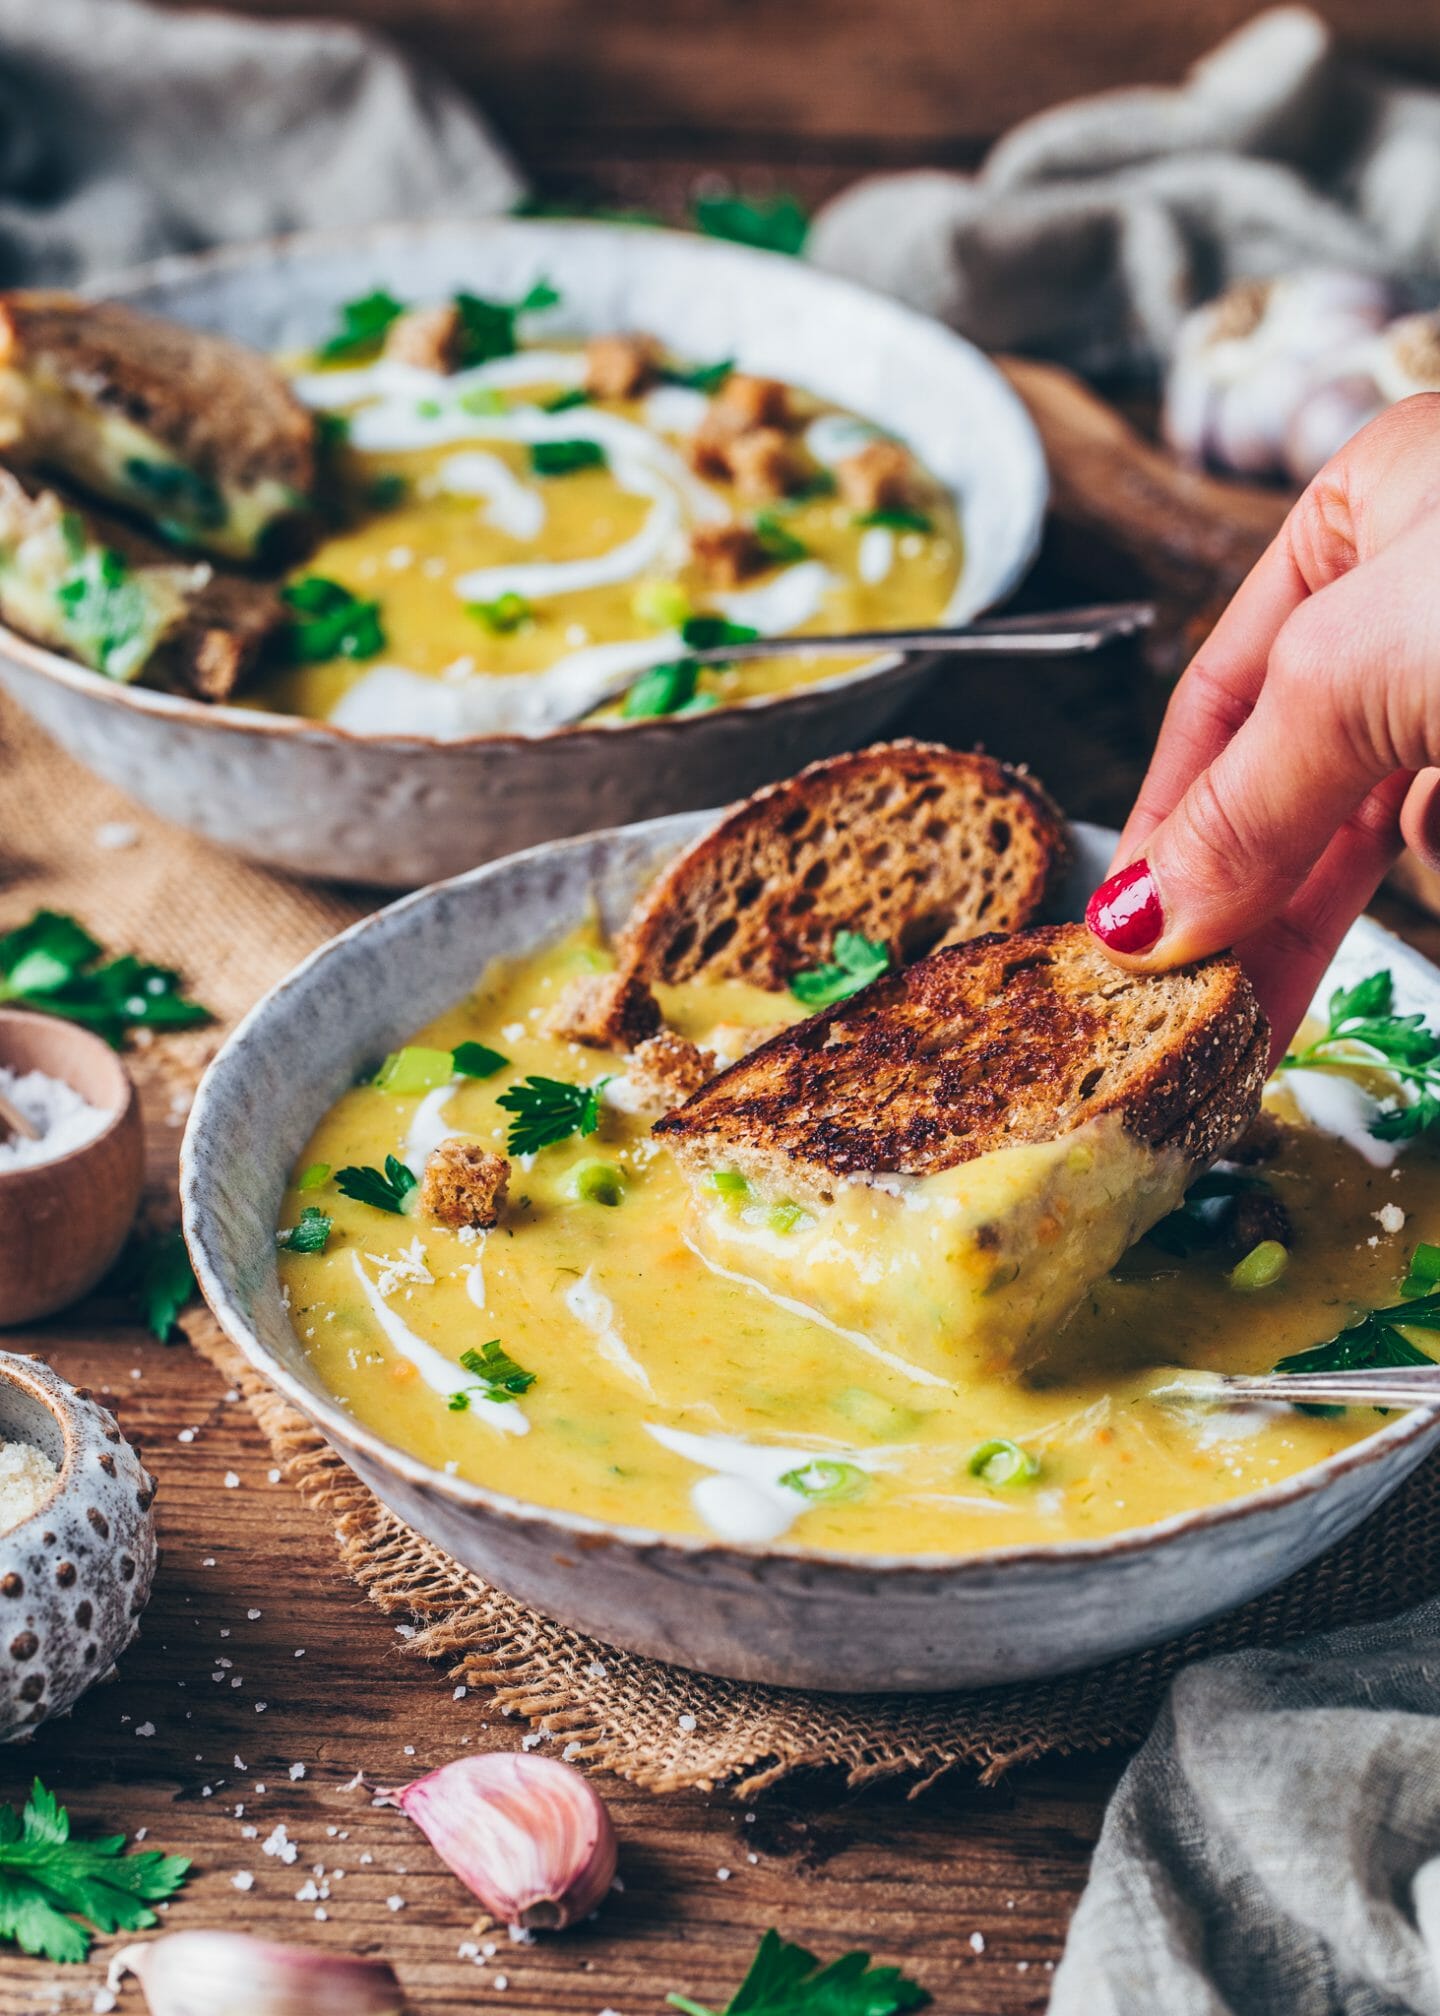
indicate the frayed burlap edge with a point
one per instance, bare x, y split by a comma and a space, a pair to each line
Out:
664, 1728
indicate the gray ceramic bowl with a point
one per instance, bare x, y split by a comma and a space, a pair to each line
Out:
401, 810
830, 1621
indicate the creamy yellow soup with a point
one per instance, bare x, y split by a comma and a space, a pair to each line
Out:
485, 573
667, 1394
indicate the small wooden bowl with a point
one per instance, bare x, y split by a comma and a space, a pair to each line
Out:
62, 1223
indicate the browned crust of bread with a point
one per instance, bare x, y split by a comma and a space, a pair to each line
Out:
231, 623
1002, 1041
222, 409
605, 1011
908, 842
464, 1184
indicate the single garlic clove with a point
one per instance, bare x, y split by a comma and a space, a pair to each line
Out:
1407, 357
528, 1835
231, 1974
1325, 419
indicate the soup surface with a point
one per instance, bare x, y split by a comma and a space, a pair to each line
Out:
525, 551
666, 1394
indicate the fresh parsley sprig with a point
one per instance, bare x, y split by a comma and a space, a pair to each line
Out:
164, 1282
774, 224
548, 1111
786, 1980
698, 377
309, 1234
53, 964
1403, 1046
1375, 1340
708, 633
331, 622
564, 458
664, 689
490, 329
49, 1882
777, 541
856, 961
496, 1374
364, 323
383, 1190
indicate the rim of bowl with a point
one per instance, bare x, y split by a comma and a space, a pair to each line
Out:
344, 1432
57, 1397
118, 1114
178, 267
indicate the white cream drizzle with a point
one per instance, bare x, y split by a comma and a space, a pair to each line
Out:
876, 556
475, 1273
428, 1128
1336, 1104
833, 437
541, 579
675, 409
433, 1366
743, 1498
514, 507
588, 1305
917, 1373
793, 597
388, 378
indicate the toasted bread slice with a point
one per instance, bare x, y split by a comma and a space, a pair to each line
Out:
198, 435
971, 1143
909, 843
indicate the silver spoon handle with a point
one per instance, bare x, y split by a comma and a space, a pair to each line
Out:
1053, 633
1395, 1386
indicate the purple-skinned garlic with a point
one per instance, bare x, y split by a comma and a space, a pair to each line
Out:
232, 1974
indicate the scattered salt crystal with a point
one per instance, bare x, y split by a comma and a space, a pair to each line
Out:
103, 2001
253, 1614
232, 1482
145, 1729
395, 1903
502, 1982
460, 1693
186, 1435
321, 1913
242, 1880
570, 1752
27, 1477
261, 1706
1390, 1218
722, 1875
977, 1942
110, 837
297, 1770
597, 1671
273, 1475
687, 1723
280, 1845
530, 1742
249, 1833
141, 1832
409, 1749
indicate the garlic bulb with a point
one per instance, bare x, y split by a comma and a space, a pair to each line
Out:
527, 1834
231, 1974
1407, 357
1248, 363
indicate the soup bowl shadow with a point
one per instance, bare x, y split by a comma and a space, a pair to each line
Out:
779, 1614
396, 810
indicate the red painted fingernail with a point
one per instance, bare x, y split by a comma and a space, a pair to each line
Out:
1125, 913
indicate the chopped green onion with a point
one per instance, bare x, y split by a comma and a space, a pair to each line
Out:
482, 402
597, 1183
825, 1482
506, 613
662, 603
477, 1060
309, 1235
785, 1216
727, 1183
415, 1069
496, 1374
563, 458
429, 409
664, 689
1261, 1268
703, 703
314, 1176
1003, 1462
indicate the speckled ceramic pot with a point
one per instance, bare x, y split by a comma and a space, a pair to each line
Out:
779, 1614
399, 810
75, 1576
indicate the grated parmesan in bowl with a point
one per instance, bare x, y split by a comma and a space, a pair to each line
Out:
27, 1477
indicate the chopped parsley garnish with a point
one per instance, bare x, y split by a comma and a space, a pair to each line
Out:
178, 489
785, 1980
477, 1060
383, 1190
488, 328
309, 1235
386, 491
1375, 1341
897, 519
664, 689
825, 1482
48, 1882
780, 545
773, 223
505, 614
565, 402
330, 622
364, 324
163, 1281
699, 377
856, 961
497, 1376
1001, 1461
1424, 1275
709, 633
1401, 1044
53, 964
548, 1111
107, 614
564, 458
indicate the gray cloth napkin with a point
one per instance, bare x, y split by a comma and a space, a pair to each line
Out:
127, 131
1274, 1850
1091, 228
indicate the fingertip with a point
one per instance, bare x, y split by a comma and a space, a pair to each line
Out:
1126, 913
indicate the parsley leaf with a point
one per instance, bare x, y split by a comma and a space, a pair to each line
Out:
488, 328
664, 689
698, 377
563, 458
309, 1235
548, 1111
387, 491
164, 1282
179, 490
506, 613
330, 622
708, 633
48, 1881
1375, 1340
1400, 1044
497, 1376
54, 965
477, 1060
107, 614
382, 1190
363, 326
786, 1980
774, 224
779, 545
565, 402
897, 519
857, 961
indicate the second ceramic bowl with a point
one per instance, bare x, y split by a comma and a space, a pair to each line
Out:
400, 810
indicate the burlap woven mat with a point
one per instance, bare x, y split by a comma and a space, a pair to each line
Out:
232, 930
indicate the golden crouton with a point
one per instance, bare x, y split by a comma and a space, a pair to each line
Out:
745, 402
667, 1068
709, 447
428, 338
464, 1184
881, 477
620, 367
728, 554
607, 1011
764, 465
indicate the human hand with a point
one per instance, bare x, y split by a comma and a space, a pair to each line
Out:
1296, 752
